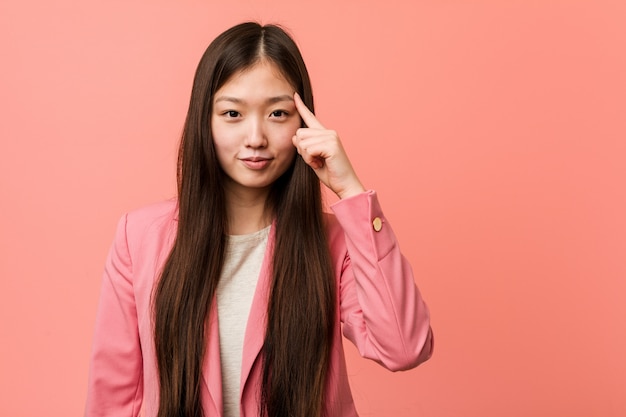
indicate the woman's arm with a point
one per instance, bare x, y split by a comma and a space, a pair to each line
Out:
382, 310
115, 385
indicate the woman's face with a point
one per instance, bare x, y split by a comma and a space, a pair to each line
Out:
254, 119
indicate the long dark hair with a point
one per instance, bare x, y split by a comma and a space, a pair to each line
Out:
301, 306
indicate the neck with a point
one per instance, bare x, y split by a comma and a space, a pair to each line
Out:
247, 212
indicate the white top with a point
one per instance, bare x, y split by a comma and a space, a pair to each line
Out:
235, 291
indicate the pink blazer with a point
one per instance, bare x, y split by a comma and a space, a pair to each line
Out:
379, 307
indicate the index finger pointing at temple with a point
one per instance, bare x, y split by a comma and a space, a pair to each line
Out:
307, 116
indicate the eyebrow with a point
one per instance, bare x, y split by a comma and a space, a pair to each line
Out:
271, 100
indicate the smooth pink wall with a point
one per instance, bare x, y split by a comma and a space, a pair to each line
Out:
494, 132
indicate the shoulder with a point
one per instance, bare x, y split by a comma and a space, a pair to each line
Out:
163, 210
331, 223
334, 234
155, 221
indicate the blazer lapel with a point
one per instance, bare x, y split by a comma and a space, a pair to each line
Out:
253, 339
211, 364
257, 319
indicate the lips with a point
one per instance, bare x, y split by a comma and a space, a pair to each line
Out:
256, 162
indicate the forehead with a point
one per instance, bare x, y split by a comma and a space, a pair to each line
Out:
261, 79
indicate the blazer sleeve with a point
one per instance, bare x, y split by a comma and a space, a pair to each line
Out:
381, 308
115, 385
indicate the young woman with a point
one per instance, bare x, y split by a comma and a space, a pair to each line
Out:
231, 300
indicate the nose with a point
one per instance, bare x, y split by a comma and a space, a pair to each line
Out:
256, 137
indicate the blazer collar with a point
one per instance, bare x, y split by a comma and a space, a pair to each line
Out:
253, 338
211, 365
257, 319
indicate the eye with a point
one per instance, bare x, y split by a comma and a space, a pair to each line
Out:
279, 113
231, 113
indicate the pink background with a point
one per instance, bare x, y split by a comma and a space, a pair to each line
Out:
494, 132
